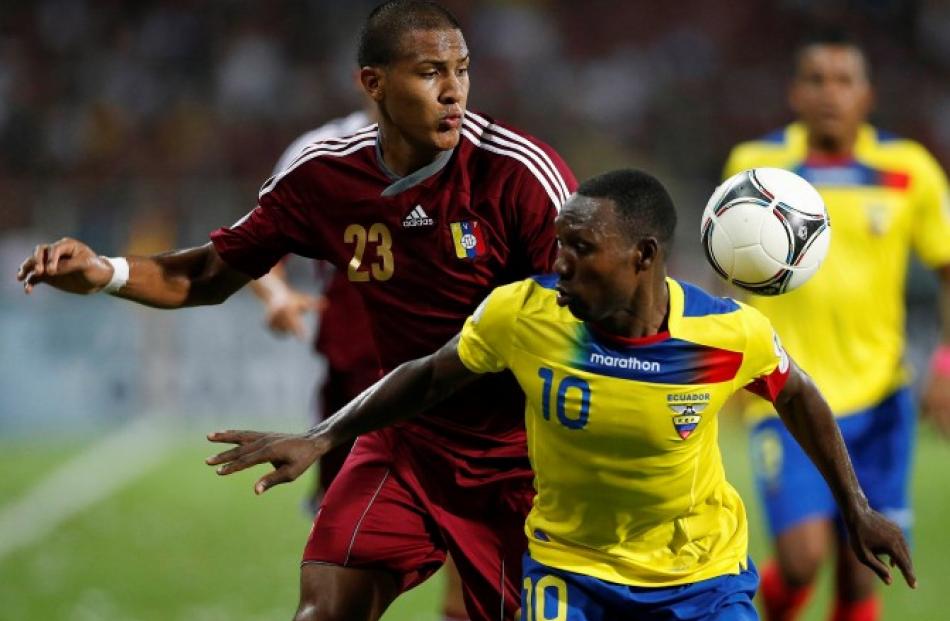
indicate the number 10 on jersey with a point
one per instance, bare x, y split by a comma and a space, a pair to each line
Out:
567, 385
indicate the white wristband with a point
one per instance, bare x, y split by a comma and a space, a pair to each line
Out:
120, 274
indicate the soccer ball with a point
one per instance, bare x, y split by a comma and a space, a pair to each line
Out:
766, 230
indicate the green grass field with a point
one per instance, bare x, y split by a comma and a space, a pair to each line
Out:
180, 544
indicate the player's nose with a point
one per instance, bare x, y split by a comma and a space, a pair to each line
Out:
563, 266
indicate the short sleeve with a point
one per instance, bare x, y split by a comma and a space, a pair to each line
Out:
485, 341
765, 365
931, 199
737, 162
276, 227
538, 193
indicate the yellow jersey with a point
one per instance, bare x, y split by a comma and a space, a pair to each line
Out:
622, 433
845, 327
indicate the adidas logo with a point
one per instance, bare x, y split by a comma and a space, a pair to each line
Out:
417, 217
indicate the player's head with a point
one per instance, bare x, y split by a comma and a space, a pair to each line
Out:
414, 64
831, 89
614, 234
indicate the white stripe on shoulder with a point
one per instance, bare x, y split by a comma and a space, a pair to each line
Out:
486, 136
317, 152
529, 164
501, 131
336, 143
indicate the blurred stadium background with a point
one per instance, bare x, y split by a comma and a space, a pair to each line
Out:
142, 126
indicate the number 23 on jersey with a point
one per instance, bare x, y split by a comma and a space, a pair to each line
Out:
363, 268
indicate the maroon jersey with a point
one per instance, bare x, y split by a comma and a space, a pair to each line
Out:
345, 336
422, 250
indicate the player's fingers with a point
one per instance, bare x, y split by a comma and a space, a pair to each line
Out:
230, 455
901, 557
234, 436
872, 561
298, 328
284, 474
39, 259
243, 462
312, 303
62, 249
25, 268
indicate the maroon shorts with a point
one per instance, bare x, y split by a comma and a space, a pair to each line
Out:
401, 509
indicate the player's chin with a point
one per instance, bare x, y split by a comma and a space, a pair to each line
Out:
446, 138
578, 309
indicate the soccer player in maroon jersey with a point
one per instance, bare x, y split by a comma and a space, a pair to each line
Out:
426, 214
344, 338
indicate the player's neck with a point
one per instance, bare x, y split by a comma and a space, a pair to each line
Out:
824, 146
402, 157
647, 314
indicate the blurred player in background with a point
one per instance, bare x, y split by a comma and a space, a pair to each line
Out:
426, 214
885, 195
344, 338
634, 518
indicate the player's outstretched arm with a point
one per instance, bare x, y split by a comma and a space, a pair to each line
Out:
809, 418
936, 394
408, 390
191, 277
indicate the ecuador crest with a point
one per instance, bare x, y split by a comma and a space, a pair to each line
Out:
687, 411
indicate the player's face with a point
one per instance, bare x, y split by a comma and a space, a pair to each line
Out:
423, 93
595, 262
831, 93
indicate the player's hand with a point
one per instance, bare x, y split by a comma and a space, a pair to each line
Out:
68, 264
872, 536
290, 454
284, 314
935, 403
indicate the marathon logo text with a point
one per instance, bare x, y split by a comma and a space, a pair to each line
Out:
624, 362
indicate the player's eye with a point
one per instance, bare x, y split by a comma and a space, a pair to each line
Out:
429, 74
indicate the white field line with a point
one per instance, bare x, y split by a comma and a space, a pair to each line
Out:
93, 475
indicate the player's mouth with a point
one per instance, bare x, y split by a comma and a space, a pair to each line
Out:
563, 296
450, 121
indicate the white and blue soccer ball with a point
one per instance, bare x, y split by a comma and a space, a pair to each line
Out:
766, 230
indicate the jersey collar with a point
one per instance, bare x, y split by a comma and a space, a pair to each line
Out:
676, 311
401, 184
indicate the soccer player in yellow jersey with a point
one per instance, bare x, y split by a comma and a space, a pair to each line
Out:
845, 327
624, 370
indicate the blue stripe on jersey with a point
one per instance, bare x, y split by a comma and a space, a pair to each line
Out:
545, 280
851, 174
885, 136
698, 303
671, 361
776, 137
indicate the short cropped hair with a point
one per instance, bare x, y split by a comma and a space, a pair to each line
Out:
384, 28
832, 36
643, 205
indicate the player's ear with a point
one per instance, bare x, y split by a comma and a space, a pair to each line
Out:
373, 81
646, 253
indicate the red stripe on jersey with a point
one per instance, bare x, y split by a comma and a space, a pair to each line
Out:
718, 365
895, 179
769, 386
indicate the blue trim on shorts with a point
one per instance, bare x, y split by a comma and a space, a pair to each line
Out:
547, 592
880, 443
